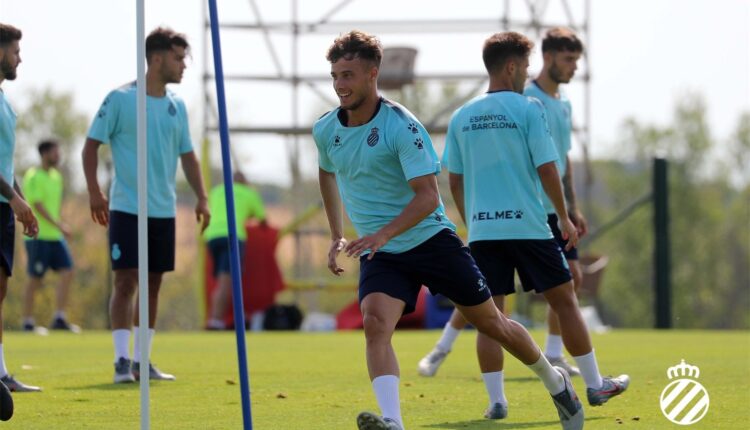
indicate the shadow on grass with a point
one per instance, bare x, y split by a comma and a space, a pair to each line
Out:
495, 424
109, 386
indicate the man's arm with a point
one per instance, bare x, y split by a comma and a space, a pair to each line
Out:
329, 191
192, 170
21, 209
426, 199
550, 178
570, 196
456, 182
97, 200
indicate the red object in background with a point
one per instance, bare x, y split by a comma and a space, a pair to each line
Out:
261, 279
350, 318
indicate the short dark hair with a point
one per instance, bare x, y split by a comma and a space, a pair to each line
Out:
9, 34
356, 44
163, 39
47, 145
500, 47
561, 39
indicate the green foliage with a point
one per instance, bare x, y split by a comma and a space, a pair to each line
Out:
319, 381
708, 224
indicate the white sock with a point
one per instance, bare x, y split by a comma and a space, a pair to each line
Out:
554, 346
121, 339
60, 315
386, 392
552, 379
589, 370
3, 369
137, 345
494, 382
448, 337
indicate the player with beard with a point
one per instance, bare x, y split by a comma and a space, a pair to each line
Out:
168, 141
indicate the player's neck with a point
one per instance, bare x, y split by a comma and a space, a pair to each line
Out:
47, 166
547, 85
499, 84
364, 113
155, 86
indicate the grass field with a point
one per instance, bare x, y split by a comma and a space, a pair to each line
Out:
305, 381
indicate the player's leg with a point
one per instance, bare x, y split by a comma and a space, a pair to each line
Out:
62, 263
490, 357
35, 268
6, 400
219, 249
121, 318
431, 362
33, 284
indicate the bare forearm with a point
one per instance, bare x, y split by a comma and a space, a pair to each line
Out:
42, 211
332, 203
422, 205
192, 170
568, 188
90, 165
457, 191
6, 190
550, 178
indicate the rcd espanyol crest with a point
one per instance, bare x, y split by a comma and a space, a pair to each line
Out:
684, 401
374, 137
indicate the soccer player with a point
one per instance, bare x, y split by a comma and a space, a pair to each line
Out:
44, 191
500, 157
378, 159
247, 205
561, 50
168, 141
12, 202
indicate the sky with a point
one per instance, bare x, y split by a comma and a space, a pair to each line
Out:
644, 55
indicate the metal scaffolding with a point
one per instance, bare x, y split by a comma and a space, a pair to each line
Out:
530, 17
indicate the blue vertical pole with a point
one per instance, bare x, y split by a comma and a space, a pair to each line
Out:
239, 322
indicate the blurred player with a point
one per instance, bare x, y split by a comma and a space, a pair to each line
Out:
247, 205
12, 203
168, 141
377, 157
44, 192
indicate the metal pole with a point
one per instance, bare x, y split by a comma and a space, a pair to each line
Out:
143, 328
662, 272
239, 321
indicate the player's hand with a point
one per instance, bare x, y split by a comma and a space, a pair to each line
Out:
580, 222
569, 233
202, 214
373, 242
337, 245
25, 216
99, 208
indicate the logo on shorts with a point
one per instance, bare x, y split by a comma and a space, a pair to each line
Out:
172, 110
482, 285
38, 267
684, 401
116, 253
374, 137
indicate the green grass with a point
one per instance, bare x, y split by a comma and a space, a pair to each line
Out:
319, 381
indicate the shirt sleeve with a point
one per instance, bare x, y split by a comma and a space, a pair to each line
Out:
186, 144
452, 156
415, 151
324, 162
30, 187
541, 146
105, 121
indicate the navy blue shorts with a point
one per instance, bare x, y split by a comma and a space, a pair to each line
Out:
47, 254
7, 238
540, 264
569, 255
219, 249
123, 242
442, 263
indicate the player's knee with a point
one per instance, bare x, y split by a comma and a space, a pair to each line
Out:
577, 278
376, 327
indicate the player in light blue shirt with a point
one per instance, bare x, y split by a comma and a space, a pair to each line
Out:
13, 205
378, 159
168, 139
500, 156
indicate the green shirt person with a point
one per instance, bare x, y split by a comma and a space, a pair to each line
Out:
49, 250
247, 205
